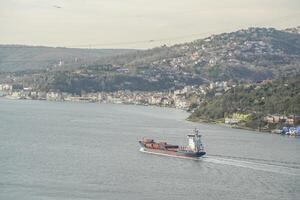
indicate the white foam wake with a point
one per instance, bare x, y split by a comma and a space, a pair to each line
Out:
253, 165
239, 163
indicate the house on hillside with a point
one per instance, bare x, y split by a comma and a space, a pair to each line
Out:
293, 120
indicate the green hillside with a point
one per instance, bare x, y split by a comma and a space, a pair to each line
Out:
280, 97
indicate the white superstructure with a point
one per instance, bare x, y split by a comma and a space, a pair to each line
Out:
195, 143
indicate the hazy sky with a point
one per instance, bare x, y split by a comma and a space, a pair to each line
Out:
135, 23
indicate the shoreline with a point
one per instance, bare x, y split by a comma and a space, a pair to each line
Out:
95, 102
158, 106
237, 126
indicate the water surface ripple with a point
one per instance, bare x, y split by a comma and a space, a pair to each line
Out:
59, 150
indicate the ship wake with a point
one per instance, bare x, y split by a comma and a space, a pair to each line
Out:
287, 168
256, 164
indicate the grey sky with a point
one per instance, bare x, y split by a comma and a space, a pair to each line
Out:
135, 23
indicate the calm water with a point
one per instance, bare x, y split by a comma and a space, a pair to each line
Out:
52, 150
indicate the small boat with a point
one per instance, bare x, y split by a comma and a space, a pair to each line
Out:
193, 150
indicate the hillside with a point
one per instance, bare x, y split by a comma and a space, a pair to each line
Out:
280, 97
252, 54
249, 55
21, 58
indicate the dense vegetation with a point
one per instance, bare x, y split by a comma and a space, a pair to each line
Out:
274, 97
105, 78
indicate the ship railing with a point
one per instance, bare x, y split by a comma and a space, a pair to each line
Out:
183, 148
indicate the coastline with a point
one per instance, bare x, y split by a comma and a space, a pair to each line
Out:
198, 120
219, 122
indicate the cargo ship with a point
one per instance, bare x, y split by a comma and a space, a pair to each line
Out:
193, 150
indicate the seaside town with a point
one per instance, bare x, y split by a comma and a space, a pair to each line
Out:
187, 98
181, 98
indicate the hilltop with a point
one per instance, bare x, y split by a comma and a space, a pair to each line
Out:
251, 55
22, 58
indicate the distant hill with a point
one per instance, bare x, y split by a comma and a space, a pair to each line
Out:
253, 54
248, 55
22, 58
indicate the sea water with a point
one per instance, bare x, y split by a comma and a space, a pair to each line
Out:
63, 150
